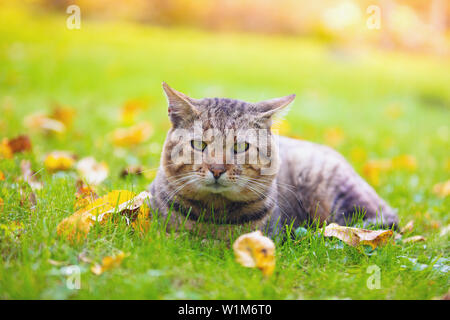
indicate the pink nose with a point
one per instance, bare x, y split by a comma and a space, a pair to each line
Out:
217, 170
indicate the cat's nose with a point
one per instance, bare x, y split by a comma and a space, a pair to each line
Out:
217, 170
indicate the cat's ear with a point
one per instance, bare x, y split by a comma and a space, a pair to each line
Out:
274, 108
181, 107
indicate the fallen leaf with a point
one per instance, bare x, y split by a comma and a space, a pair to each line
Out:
407, 228
442, 189
59, 161
132, 170
125, 137
20, 144
255, 250
405, 162
134, 208
63, 114
44, 123
356, 236
85, 194
414, 239
2, 176
108, 263
5, 150
130, 110
92, 171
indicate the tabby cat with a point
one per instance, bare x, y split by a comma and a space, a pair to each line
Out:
279, 181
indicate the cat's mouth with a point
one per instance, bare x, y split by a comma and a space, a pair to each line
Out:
216, 187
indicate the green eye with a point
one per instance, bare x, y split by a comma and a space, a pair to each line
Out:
240, 147
198, 145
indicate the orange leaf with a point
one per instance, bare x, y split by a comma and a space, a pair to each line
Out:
255, 250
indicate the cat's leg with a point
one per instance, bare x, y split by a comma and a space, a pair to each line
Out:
354, 198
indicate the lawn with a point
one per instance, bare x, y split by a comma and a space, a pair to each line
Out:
368, 104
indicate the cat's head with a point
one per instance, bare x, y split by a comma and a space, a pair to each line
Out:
221, 147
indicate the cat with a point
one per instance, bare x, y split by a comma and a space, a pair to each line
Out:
201, 186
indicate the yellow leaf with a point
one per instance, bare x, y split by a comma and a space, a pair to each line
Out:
108, 263
134, 208
5, 150
64, 115
255, 250
2, 176
356, 236
124, 137
442, 189
59, 161
405, 161
409, 227
130, 110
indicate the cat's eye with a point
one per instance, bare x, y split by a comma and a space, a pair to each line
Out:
198, 145
240, 147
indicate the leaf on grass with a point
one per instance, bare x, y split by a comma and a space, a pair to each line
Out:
135, 170
130, 110
356, 236
85, 194
91, 171
373, 169
442, 189
2, 176
59, 161
253, 250
63, 114
21, 143
44, 123
5, 150
134, 208
407, 228
414, 239
125, 137
108, 263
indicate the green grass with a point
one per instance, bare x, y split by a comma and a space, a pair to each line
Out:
96, 69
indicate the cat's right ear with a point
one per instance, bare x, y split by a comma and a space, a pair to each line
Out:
182, 111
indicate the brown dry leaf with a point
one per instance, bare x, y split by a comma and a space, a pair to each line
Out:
77, 226
414, 239
407, 228
63, 114
442, 189
255, 250
59, 161
44, 123
125, 137
91, 171
108, 263
356, 236
5, 150
132, 170
20, 144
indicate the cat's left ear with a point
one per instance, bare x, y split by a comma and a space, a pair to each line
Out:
269, 109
